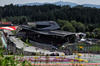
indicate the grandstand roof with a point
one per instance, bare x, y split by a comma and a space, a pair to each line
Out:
48, 32
46, 28
56, 32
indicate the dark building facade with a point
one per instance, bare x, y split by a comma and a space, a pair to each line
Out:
46, 32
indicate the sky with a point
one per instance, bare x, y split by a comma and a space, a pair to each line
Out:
6, 2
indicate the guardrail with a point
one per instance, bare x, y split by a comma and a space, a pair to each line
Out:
4, 41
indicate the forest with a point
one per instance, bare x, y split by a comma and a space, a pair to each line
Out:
74, 19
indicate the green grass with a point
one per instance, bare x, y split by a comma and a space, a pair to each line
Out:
81, 44
26, 42
0, 43
20, 38
13, 32
95, 48
29, 44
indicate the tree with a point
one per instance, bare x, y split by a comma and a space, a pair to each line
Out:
92, 35
86, 28
61, 22
23, 20
87, 35
80, 27
97, 32
90, 27
68, 27
3, 20
85, 15
74, 23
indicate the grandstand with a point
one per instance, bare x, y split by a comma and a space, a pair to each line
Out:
46, 32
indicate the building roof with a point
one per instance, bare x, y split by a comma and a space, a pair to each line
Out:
56, 32
50, 30
44, 25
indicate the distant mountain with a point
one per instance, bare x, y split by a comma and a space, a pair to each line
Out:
65, 3
31, 4
56, 3
90, 5
61, 3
